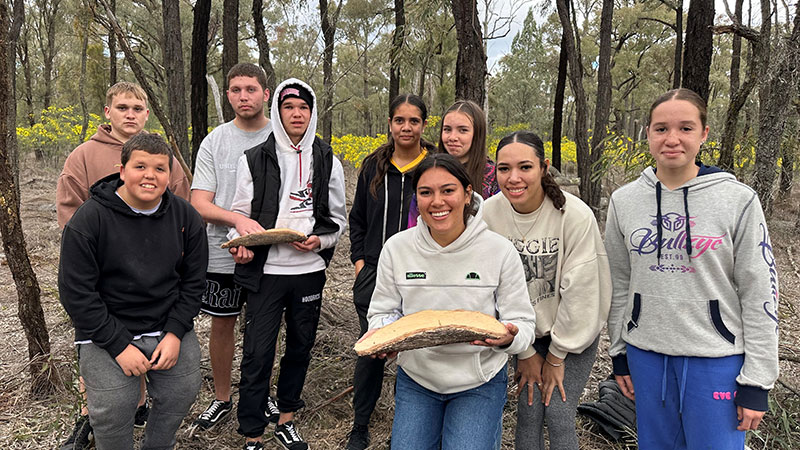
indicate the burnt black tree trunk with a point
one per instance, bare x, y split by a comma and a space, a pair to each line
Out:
558, 103
603, 104
328, 21
575, 73
678, 58
30, 313
49, 15
699, 46
197, 77
87, 15
230, 49
173, 66
398, 37
112, 50
471, 60
263, 45
738, 93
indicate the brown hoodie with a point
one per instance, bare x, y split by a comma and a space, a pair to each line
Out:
97, 158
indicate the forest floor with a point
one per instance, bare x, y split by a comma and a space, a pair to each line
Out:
42, 424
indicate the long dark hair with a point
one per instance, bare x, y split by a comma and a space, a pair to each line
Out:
382, 156
549, 185
454, 167
476, 161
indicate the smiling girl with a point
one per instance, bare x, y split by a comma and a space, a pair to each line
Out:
381, 208
464, 136
451, 396
569, 286
693, 326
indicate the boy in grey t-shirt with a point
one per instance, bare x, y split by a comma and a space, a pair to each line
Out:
212, 194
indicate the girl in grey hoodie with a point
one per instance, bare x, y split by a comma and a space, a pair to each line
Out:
693, 322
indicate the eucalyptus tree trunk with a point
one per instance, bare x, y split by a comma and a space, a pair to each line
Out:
699, 47
173, 66
471, 60
398, 37
263, 45
230, 48
328, 21
558, 103
603, 104
197, 75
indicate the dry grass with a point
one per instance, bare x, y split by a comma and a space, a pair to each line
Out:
39, 424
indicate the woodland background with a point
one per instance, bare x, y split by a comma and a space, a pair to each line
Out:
580, 73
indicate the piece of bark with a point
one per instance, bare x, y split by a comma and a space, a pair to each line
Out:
431, 328
267, 237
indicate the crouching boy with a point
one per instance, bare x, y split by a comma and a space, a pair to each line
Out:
131, 275
290, 181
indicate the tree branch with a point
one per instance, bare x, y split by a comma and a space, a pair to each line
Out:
739, 30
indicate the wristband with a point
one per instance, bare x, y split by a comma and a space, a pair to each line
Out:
551, 364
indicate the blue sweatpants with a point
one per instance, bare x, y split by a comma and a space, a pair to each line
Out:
685, 402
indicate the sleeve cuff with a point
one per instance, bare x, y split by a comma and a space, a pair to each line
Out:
527, 353
752, 397
174, 327
558, 353
620, 363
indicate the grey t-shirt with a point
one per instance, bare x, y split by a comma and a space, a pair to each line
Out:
215, 171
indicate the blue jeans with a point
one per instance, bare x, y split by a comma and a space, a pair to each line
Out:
112, 395
685, 402
471, 419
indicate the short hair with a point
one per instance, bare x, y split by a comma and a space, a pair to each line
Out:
248, 70
126, 87
151, 143
681, 94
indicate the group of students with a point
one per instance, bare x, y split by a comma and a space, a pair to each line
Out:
690, 300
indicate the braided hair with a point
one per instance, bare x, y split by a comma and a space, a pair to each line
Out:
551, 189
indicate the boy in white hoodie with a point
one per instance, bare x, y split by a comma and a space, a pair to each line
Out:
290, 181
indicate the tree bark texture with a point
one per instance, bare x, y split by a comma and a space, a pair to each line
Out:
112, 50
471, 60
558, 103
82, 82
328, 22
575, 73
738, 96
14, 30
699, 46
603, 105
398, 37
782, 82
29, 305
197, 77
678, 58
263, 45
173, 66
230, 48
788, 154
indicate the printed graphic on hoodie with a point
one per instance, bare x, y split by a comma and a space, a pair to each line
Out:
770, 306
540, 260
674, 254
301, 199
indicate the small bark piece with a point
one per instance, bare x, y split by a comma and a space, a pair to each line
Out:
268, 237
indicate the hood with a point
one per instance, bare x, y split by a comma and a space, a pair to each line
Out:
475, 226
707, 177
104, 191
282, 141
104, 136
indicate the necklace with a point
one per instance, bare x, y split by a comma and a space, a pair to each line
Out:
535, 216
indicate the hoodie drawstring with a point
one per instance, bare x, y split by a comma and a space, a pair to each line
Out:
688, 230
385, 206
664, 383
683, 382
658, 224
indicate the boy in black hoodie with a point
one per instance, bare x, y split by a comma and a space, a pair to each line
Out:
131, 275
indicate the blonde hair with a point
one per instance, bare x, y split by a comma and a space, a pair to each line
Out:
125, 87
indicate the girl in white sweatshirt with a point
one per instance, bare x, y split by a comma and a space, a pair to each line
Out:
569, 286
451, 396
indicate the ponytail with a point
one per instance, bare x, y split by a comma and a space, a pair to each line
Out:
549, 185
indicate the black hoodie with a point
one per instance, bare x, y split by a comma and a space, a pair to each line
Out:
123, 273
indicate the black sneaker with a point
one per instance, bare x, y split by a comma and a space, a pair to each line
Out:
142, 412
358, 438
254, 445
214, 414
272, 412
286, 435
81, 437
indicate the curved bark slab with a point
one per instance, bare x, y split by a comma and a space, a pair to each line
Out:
431, 328
267, 237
